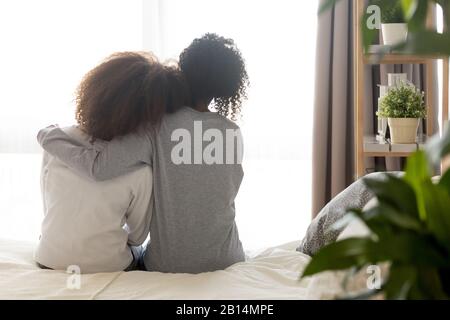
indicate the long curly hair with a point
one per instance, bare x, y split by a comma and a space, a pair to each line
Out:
215, 69
126, 92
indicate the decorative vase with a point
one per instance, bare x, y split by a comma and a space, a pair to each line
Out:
403, 130
394, 33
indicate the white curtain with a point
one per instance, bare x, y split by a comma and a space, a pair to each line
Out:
53, 43
46, 47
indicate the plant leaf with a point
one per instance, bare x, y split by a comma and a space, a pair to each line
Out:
404, 247
389, 215
445, 181
410, 248
429, 283
395, 192
417, 172
401, 280
418, 15
339, 255
438, 147
425, 42
408, 7
437, 204
417, 168
366, 295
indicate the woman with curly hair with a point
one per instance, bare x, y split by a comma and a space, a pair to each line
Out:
99, 227
195, 155
215, 71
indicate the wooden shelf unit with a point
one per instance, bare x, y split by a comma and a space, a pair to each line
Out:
375, 148
397, 58
361, 60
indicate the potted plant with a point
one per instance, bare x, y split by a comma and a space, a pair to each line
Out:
409, 232
420, 40
393, 24
403, 106
410, 225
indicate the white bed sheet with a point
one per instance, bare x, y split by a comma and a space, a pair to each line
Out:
270, 274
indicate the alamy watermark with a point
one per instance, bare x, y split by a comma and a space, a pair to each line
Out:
374, 279
374, 17
73, 281
212, 146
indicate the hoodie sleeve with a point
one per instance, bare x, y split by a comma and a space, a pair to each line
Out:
100, 160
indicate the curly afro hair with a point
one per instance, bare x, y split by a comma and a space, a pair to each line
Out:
214, 69
126, 92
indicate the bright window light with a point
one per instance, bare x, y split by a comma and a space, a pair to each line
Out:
47, 46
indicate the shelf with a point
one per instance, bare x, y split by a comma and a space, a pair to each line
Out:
374, 56
366, 147
375, 148
396, 58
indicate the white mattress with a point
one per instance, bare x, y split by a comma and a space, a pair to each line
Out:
270, 274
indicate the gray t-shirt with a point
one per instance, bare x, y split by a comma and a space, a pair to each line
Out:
197, 171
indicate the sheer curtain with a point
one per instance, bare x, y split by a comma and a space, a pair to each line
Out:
46, 47
51, 44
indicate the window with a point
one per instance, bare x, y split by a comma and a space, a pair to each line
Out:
51, 44
46, 48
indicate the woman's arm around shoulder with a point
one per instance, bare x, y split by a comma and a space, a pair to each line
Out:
100, 160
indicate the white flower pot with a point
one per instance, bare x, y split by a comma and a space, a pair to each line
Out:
394, 33
403, 130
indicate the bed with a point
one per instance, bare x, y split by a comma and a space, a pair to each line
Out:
269, 274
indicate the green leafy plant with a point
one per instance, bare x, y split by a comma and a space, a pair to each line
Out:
410, 225
409, 229
421, 40
391, 13
403, 101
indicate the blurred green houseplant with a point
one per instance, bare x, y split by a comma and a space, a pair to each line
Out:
410, 230
392, 13
421, 40
410, 224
